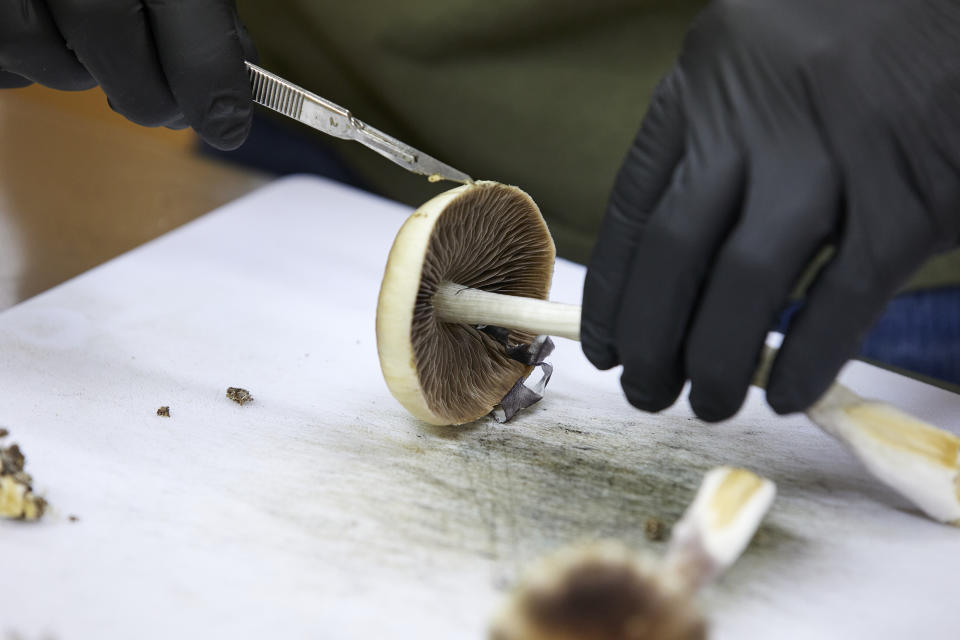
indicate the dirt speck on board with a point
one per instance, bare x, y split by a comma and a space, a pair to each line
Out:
17, 499
4, 432
164, 411
73, 518
238, 395
654, 530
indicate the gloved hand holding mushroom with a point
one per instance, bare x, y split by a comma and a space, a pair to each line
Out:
786, 129
481, 256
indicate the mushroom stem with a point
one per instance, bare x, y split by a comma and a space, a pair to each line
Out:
459, 304
717, 525
918, 460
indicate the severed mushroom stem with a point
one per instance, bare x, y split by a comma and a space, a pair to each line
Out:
717, 526
916, 459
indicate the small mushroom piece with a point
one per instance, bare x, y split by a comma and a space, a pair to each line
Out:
604, 591
483, 236
238, 395
18, 501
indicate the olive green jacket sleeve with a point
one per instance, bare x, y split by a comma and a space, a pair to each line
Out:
543, 94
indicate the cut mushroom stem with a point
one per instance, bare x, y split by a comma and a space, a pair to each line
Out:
717, 526
458, 304
916, 459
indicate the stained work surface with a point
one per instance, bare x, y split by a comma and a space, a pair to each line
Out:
321, 509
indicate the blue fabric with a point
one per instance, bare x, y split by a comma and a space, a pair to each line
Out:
918, 331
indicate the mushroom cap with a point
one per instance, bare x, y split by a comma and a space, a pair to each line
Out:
483, 235
600, 591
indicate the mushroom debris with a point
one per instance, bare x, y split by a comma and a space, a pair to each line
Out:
17, 499
239, 395
605, 591
480, 255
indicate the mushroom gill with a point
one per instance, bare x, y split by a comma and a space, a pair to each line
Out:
492, 237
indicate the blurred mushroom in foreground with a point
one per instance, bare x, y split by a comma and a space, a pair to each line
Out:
604, 591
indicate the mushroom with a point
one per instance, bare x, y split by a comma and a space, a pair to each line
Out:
481, 255
489, 238
605, 591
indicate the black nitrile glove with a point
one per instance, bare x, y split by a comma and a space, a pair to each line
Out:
161, 63
786, 126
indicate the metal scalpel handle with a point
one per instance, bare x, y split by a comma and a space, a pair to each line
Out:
273, 92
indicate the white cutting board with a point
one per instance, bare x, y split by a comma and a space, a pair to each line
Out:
323, 510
